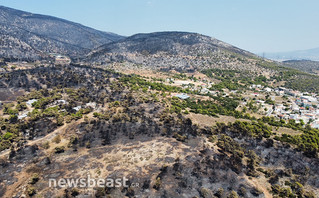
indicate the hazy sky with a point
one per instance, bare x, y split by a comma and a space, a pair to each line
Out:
254, 25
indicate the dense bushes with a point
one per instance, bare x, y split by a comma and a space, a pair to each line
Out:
308, 142
282, 123
256, 129
293, 189
220, 105
229, 78
136, 83
227, 144
294, 79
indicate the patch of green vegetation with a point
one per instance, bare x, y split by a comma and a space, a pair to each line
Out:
305, 82
34, 179
135, 83
220, 105
308, 142
180, 76
292, 189
256, 129
229, 145
236, 80
229, 78
59, 149
9, 109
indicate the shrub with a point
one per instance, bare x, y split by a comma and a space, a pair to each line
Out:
179, 137
59, 120
232, 194
57, 139
158, 183
59, 149
34, 179
46, 145
206, 193
31, 191
73, 140
7, 136
75, 192
242, 191
220, 192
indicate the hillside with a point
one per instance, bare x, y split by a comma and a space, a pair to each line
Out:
126, 126
303, 65
177, 50
189, 52
31, 36
158, 115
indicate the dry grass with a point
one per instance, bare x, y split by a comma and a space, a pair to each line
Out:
205, 120
284, 130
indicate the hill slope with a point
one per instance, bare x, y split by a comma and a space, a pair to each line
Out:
123, 131
30, 36
178, 50
188, 52
303, 65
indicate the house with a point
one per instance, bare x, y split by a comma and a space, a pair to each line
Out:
253, 86
294, 116
295, 108
62, 60
182, 96
290, 92
22, 116
30, 102
309, 98
315, 124
77, 108
261, 102
91, 104
305, 119
267, 89
204, 91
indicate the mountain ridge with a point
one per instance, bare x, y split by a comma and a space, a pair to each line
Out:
46, 34
309, 66
171, 49
172, 35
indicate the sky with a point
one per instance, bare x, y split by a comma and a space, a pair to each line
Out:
254, 25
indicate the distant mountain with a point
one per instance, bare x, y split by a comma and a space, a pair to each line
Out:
311, 54
303, 65
178, 50
25, 35
190, 52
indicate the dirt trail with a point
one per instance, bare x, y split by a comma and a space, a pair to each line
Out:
259, 185
49, 136
23, 176
32, 142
